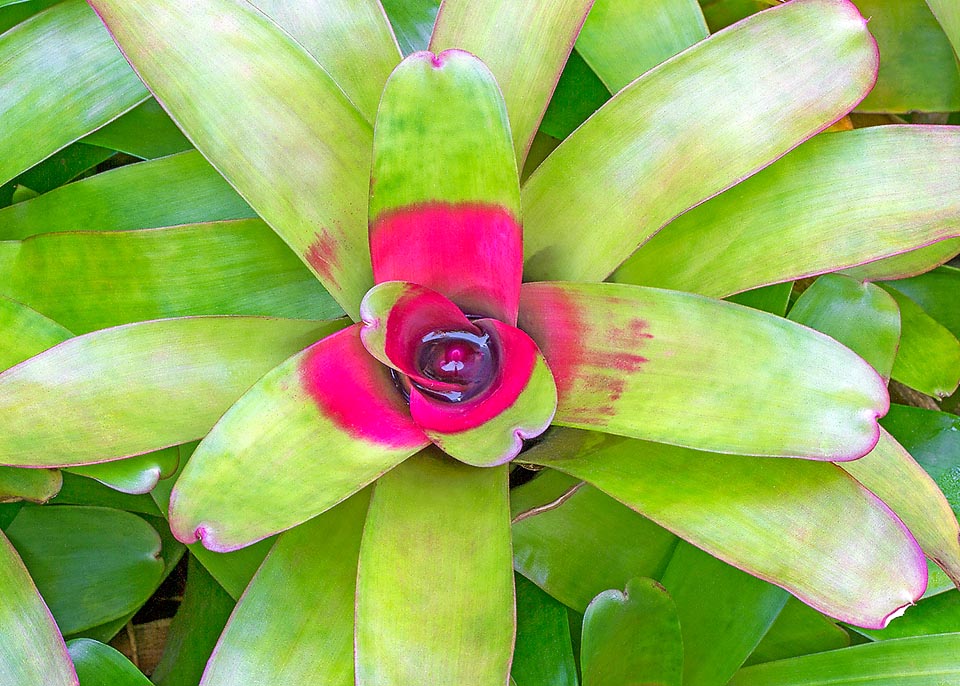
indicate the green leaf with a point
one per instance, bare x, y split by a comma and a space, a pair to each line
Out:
579, 93
543, 652
906, 264
665, 143
35, 485
80, 490
906, 662
232, 571
172, 551
32, 652
933, 439
722, 13
145, 132
195, 629
20, 10
622, 39
8, 511
723, 613
180, 189
333, 421
137, 388
93, 280
773, 299
500, 33
56, 170
935, 292
840, 200
800, 630
26, 332
939, 614
350, 39
296, 620
91, 564
100, 665
548, 514
686, 370
895, 477
918, 68
134, 475
948, 14
268, 117
632, 636
412, 22
937, 581
860, 315
69, 80
21, 193
419, 618
848, 556
929, 356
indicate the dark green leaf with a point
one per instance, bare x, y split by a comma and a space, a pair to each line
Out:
579, 93
412, 22
936, 293
613, 543
65, 51
632, 636
100, 665
918, 69
543, 653
80, 490
929, 356
799, 630
939, 614
63, 166
194, 630
723, 613
90, 564
923, 661
933, 439
145, 132
860, 315
773, 299
180, 189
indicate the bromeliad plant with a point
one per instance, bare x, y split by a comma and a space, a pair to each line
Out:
408, 208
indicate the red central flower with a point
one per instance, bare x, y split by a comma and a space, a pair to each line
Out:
476, 388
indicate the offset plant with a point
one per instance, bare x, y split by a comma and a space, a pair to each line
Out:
674, 403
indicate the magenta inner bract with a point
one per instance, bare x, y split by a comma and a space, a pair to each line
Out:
460, 358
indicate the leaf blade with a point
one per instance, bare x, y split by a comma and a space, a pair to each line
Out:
635, 170
63, 51
74, 404
336, 423
406, 633
763, 498
226, 74
527, 70
875, 181
32, 652
654, 376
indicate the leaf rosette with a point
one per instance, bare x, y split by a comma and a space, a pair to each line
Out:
463, 335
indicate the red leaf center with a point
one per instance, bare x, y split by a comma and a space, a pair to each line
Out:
460, 358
